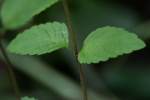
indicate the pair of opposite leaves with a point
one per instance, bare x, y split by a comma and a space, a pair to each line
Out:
102, 44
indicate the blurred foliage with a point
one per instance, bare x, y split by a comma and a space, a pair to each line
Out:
28, 98
55, 76
26, 10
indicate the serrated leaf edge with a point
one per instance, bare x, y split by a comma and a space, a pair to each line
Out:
31, 54
127, 52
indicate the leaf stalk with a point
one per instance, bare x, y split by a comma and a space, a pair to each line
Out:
11, 74
74, 46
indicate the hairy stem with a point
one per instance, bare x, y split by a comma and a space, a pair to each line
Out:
74, 44
10, 72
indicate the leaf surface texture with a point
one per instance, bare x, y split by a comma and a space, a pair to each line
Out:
108, 42
40, 39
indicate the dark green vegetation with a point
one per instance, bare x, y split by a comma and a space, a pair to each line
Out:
44, 27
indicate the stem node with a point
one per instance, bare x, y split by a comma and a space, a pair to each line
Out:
74, 44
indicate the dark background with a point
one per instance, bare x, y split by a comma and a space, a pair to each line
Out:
48, 77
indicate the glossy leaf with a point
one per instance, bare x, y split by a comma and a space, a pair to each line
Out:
40, 39
16, 13
108, 42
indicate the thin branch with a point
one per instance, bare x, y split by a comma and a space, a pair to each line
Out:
10, 72
74, 44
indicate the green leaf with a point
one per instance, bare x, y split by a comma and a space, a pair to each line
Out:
28, 98
16, 13
40, 39
108, 42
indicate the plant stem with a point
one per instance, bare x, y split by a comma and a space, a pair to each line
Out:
74, 44
10, 72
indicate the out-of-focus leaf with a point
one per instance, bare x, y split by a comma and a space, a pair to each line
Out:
108, 42
28, 98
44, 38
16, 13
54, 80
143, 30
133, 82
